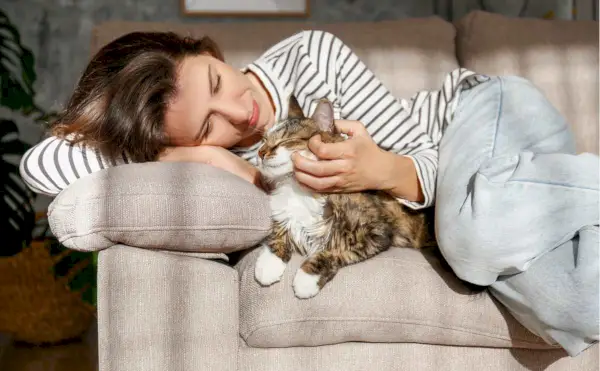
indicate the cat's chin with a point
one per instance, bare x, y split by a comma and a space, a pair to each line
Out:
276, 171
275, 178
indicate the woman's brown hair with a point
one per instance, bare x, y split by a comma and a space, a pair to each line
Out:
120, 101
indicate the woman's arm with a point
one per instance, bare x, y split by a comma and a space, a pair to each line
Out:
356, 164
51, 165
360, 96
217, 157
407, 187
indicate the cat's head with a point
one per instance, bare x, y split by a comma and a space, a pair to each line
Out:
292, 135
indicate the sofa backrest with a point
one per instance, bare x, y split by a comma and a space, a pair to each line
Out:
558, 56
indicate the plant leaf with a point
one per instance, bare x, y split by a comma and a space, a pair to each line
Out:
17, 68
18, 215
8, 127
84, 281
20, 190
14, 147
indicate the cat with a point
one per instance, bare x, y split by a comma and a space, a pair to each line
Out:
330, 230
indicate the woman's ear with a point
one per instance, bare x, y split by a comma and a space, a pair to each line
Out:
323, 116
294, 110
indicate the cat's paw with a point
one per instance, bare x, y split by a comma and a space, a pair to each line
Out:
306, 285
269, 267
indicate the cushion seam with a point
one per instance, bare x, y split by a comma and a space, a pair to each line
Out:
161, 228
401, 321
184, 195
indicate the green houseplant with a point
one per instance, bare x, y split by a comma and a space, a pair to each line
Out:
47, 292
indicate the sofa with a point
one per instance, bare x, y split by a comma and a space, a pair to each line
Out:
177, 242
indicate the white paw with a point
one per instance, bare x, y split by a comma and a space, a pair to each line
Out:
269, 267
306, 285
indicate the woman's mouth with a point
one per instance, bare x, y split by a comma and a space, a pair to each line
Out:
255, 114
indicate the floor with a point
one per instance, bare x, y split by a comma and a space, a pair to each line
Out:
76, 356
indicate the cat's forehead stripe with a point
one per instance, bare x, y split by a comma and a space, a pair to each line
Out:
283, 125
275, 127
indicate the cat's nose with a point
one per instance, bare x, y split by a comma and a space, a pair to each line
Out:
262, 152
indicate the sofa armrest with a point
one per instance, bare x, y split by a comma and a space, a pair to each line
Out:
187, 207
160, 311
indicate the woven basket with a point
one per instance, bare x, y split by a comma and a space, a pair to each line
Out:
35, 306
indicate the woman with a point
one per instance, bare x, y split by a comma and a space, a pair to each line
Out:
513, 201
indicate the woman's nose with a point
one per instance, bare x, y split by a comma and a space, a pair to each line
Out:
235, 112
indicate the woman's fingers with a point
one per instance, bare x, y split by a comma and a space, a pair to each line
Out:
330, 151
319, 168
316, 183
351, 128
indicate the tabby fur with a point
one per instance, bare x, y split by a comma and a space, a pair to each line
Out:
331, 230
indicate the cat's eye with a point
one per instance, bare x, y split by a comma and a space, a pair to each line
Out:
286, 142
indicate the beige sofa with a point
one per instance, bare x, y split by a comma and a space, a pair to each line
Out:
174, 294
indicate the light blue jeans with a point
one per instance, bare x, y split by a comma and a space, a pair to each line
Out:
517, 210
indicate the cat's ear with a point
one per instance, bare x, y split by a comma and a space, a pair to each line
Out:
323, 115
294, 110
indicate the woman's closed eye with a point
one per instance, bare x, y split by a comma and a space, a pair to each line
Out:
217, 85
214, 82
208, 129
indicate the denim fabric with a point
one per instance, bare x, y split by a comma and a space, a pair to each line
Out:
518, 210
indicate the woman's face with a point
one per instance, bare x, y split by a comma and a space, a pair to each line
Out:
217, 105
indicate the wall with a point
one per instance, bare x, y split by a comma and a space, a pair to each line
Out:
547, 9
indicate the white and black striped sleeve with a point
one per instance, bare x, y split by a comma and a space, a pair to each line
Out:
361, 96
53, 164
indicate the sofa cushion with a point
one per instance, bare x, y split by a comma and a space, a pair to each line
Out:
558, 56
407, 55
413, 357
188, 207
401, 295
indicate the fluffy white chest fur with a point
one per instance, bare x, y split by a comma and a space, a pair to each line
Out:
302, 214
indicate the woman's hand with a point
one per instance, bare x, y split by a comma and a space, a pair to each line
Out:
354, 165
214, 156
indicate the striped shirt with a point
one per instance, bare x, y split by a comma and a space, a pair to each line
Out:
311, 65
